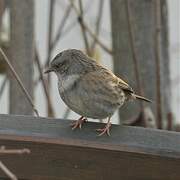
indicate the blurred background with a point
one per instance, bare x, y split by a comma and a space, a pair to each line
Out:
139, 40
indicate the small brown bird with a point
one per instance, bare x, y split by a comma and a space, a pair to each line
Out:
88, 88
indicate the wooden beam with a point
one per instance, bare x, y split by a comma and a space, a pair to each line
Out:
57, 152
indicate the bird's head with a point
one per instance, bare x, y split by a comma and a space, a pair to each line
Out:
68, 61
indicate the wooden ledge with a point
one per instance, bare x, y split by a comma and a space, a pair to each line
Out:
57, 152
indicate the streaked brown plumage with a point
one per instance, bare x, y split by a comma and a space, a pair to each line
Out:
88, 88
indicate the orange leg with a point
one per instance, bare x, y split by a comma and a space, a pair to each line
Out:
106, 129
78, 123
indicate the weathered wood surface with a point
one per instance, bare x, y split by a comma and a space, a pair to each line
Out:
57, 152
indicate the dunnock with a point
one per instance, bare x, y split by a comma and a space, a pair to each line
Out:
88, 88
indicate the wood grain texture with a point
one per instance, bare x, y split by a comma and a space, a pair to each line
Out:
57, 152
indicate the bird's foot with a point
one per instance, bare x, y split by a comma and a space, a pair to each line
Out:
78, 123
104, 130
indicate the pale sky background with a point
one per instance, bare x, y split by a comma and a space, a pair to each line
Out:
74, 40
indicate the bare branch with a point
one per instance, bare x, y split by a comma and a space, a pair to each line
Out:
61, 26
3, 150
81, 20
170, 120
72, 25
7, 171
19, 81
50, 30
134, 53
49, 50
51, 110
3, 86
157, 49
93, 35
98, 22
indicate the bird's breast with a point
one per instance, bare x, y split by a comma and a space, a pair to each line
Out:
66, 83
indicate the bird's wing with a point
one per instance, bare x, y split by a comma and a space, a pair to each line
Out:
105, 77
125, 86
100, 82
121, 83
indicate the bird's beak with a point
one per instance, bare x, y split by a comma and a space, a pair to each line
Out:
48, 70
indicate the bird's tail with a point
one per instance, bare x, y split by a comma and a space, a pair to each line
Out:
141, 98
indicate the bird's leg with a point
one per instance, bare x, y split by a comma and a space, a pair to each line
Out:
78, 123
106, 129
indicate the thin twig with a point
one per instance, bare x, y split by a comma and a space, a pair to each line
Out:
3, 150
81, 20
134, 53
170, 121
3, 86
51, 110
49, 50
73, 23
93, 35
61, 33
50, 30
70, 27
61, 26
27, 95
157, 47
98, 22
102, 45
7, 171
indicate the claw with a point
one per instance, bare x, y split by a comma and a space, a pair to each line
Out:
78, 123
106, 129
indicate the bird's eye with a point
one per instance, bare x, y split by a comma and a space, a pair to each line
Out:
59, 55
56, 66
62, 64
